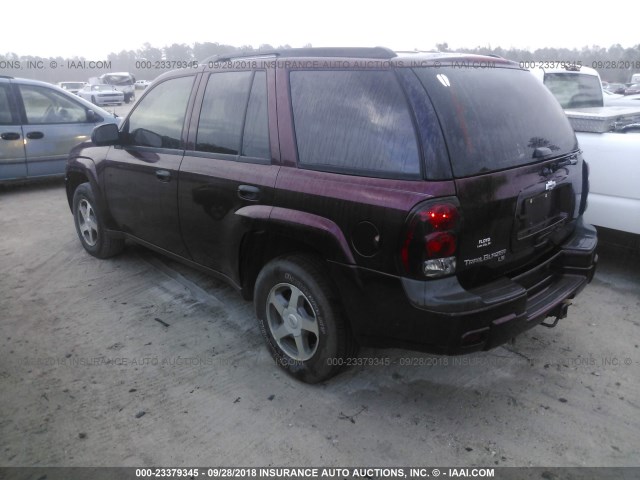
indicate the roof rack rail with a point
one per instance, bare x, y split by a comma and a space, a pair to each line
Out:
382, 53
418, 51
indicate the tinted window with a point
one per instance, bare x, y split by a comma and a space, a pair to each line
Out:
6, 117
575, 90
157, 121
223, 108
495, 118
255, 141
353, 120
46, 106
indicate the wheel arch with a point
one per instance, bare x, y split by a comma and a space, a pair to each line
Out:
82, 170
278, 231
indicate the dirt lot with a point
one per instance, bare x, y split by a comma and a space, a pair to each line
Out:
139, 361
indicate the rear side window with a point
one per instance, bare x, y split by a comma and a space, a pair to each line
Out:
223, 108
158, 120
255, 141
354, 121
496, 118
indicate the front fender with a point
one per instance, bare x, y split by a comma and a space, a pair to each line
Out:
81, 167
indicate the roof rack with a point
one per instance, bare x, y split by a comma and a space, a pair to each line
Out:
372, 52
417, 51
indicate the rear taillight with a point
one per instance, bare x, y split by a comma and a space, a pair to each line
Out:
429, 243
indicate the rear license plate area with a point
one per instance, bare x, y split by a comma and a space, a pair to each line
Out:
540, 214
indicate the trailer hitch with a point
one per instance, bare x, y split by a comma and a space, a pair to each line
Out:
559, 314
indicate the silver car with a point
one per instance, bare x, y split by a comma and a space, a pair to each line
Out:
39, 124
102, 94
72, 87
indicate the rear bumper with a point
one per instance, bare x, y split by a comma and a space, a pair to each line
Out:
440, 316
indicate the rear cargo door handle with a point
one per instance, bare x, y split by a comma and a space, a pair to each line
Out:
163, 175
35, 135
249, 192
10, 136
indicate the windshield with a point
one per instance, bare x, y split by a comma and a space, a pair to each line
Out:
496, 118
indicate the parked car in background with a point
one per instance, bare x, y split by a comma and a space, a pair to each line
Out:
72, 87
435, 207
121, 81
102, 95
142, 84
612, 99
633, 89
39, 124
616, 88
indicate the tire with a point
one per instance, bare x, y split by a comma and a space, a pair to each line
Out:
311, 341
90, 226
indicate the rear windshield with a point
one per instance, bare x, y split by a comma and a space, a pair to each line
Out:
496, 118
575, 90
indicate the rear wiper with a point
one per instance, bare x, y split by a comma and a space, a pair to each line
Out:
570, 160
541, 152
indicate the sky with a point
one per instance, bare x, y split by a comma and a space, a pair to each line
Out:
77, 29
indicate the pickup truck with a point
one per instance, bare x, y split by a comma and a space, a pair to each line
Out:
610, 140
609, 137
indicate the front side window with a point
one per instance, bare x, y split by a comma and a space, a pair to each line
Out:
348, 121
223, 109
159, 118
46, 106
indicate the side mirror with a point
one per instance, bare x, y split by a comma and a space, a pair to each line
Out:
104, 135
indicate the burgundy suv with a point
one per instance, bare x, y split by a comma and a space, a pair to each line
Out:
427, 201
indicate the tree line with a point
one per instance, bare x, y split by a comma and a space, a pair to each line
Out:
615, 64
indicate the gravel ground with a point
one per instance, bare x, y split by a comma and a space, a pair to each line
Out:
140, 361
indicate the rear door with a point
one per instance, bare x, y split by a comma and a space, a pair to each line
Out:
13, 163
141, 177
228, 166
515, 160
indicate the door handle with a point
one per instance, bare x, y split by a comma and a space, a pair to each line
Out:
163, 175
249, 192
10, 136
35, 135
